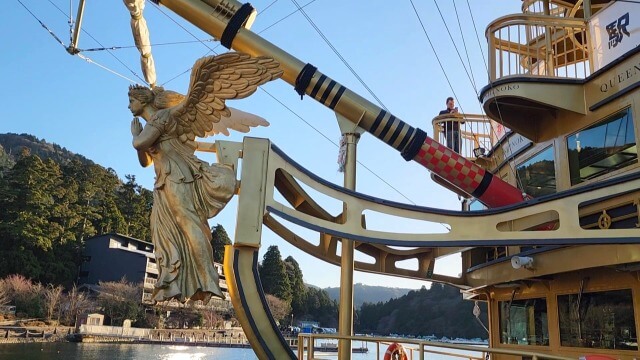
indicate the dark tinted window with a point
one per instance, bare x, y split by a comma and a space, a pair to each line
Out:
602, 148
524, 322
602, 320
537, 176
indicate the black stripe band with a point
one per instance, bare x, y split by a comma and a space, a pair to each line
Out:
235, 23
395, 134
406, 138
484, 185
243, 300
336, 98
387, 126
414, 146
304, 79
377, 122
327, 91
316, 88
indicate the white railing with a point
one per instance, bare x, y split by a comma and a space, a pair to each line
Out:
113, 331
419, 349
538, 45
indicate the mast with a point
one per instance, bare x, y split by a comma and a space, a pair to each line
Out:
229, 20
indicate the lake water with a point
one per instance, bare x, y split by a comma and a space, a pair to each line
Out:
92, 351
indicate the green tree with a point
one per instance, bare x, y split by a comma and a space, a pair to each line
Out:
298, 290
273, 275
219, 238
135, 204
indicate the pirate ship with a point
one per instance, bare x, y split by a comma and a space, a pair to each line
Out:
548, 236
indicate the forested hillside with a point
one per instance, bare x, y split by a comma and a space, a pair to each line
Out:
52, 200
439, 311
366, 293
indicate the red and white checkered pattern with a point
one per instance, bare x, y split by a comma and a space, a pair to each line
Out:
450, 165
465, 174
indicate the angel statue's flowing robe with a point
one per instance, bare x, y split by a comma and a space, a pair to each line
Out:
187, 192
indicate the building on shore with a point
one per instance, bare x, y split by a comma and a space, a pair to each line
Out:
110, 257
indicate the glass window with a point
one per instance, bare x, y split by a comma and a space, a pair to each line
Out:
537, 175
602, 148
475, 205
524, 322
602, 320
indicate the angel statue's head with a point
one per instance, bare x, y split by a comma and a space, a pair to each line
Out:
158, 97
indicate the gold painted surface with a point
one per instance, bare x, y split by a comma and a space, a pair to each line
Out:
591, 280
255, 315
614, 80
188, 191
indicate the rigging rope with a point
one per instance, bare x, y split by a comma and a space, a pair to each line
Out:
335, 51
464, 43
511, 162
424, 30
98, 42
89, 60
334, 143
454, 44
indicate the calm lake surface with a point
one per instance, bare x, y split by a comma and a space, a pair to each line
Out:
87, 351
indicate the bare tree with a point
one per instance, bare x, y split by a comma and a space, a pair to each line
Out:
211, 318
52, 297
280, 309
121, 300
4, 293
75, 302
25, 295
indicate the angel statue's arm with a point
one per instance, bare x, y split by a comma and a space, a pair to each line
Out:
143, 138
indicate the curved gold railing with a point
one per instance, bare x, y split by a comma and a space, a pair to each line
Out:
538, 45
537, 7
420, 348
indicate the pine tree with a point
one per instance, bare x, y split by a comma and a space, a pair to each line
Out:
219, 238
273, 275
298, 290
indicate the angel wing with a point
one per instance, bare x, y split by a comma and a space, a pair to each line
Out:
238, 120
215, 79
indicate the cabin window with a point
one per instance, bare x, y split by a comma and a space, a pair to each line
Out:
537, 176
602, 320
524, 322
604, 147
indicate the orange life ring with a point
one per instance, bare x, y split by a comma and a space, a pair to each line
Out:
395, 351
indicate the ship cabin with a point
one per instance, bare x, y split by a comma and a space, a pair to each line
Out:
560, 121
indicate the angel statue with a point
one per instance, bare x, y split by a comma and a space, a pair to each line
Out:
189, 191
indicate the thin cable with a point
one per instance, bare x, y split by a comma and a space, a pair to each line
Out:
260, 32
475, 30
464, 43
454, 44
90, 61
268, 6
424, 30
98, 42
71, 22
184, 28
286, 16
334, 143
511, 162
43, 25
152, 45
344, 61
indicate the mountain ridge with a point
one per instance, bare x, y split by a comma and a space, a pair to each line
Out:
369, 293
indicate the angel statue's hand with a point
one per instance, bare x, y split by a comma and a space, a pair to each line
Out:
136, 127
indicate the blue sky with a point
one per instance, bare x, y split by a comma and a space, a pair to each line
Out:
83, 107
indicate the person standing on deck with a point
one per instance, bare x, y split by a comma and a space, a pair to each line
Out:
451, 127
